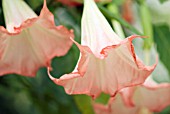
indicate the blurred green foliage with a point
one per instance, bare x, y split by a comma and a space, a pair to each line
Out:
161, 37
162, 1
23, 95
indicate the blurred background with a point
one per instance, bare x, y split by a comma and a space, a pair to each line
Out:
39, 95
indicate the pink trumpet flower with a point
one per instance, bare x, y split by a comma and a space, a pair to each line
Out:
107, 63
30, 41
145, 99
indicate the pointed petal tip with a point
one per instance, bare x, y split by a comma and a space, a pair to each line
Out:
138, 62
45, 5
49, 74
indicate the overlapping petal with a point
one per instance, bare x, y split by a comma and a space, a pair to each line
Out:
151, 95
33, 44
107, 63
115, 106
148, 98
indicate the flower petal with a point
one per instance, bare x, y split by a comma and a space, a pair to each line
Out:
101, 109
33, 44
115, 106
150, 95
143, 99
118, 69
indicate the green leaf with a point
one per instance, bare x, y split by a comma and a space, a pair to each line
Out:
161, 37
165, 111
84, 103
2, 22
118, 2
35, 3
162, 1
37, 95
103, 98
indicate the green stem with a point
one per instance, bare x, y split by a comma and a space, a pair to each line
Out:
146, 24
117, 26
118, 18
